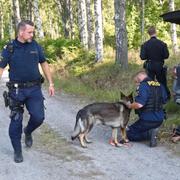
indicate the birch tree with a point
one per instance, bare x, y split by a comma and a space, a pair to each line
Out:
63, 7
16, 11
98, 30
1, 21
71, 19
29, 9
82, 21
142, 20
38, 22
173, 29
120, 33
90, 27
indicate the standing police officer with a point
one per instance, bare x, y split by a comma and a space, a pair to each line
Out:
154, 51
23, 56
151, 96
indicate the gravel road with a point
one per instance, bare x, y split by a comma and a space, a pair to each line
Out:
54, 156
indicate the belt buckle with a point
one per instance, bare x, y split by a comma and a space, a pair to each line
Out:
16, 85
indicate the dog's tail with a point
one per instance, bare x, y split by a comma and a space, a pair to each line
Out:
79, 126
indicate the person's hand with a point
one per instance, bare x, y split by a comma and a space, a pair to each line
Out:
51, 90
128, 104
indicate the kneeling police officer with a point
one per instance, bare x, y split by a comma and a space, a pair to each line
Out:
148, 104
23, 56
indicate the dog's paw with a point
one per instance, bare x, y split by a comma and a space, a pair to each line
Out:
83, 146
127, 144
123, 141
113, 143
118, 145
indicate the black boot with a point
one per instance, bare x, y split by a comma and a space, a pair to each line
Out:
153, 137
28, 139
18, 158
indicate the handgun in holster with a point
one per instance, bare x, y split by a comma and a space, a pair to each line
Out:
6, 98
42, 79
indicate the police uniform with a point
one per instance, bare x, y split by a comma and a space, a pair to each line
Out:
152, 96
155, 51
24, 87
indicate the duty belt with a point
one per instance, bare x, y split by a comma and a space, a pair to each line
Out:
12, 84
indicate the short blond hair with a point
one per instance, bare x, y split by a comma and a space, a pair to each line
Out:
138, 73
151, 30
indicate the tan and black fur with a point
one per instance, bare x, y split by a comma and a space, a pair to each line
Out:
115, 115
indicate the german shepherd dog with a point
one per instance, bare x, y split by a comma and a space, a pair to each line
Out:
115, 115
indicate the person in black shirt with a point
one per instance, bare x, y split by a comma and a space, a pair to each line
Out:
154, 51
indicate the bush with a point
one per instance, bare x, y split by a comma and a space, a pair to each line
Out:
54, 49
2, 44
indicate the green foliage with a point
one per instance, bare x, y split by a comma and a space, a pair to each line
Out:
99, 81
54, 49
2, 44
53, 25
83, 62
133, 26
109, 39
172, 108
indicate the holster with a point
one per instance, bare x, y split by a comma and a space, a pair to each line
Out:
42, 79
165, 70
6, 98
145, 65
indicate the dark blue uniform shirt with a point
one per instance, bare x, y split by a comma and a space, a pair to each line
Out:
23, 61
142, 97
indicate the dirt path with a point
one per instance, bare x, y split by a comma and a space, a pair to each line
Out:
54, 156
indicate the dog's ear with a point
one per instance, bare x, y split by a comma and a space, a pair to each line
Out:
122, 95
131, 94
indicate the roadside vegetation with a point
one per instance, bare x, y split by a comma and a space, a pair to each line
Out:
76, 72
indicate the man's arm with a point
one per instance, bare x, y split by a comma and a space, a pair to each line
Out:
47, 73
135, 105
143, 54
166, 52
1, 71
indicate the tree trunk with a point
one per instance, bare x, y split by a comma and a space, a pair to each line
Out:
82, 21
142, 21
121, 33
63, 7
16, 11
98, 30
173, 29
90, 25
38, 22
71, 19
1, 22
29, 9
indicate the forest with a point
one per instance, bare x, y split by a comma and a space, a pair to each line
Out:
95, 24
93, 46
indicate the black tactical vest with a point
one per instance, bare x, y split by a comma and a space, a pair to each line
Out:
155, 99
